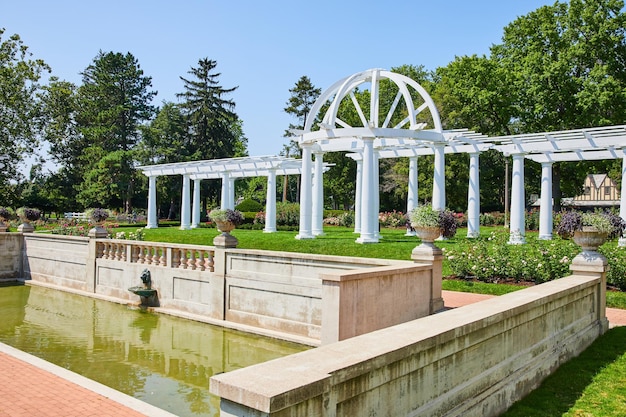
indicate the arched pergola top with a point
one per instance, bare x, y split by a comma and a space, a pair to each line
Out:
249, 166
371, 125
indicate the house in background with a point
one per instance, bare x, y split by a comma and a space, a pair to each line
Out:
600, 191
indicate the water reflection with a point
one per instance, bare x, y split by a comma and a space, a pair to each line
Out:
163, 360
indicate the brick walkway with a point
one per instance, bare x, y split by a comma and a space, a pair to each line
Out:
452, 299
30, 386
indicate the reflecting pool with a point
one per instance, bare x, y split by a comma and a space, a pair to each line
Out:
162, 360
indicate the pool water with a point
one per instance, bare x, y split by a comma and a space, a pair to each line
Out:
163, 360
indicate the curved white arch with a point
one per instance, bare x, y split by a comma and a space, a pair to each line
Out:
344, 89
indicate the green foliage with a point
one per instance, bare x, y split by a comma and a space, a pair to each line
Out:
588, 385
138, 234
392, 219
424, 216
616, 255
491, 259
344, 219
249, 205
226, 215
20, 110
287, 214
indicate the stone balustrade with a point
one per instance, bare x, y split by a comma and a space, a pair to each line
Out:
190, 257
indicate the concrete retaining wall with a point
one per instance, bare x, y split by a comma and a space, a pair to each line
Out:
471, 361
277, 293
11, 255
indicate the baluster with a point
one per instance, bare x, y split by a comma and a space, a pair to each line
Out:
163, 257
142, 255
175, 258
99, 249
210, 262
191, 261
156, 258
200, 260
149, 255
105, 251
183, 259
116, 255
133, 253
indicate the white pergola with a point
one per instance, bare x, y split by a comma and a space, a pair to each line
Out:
374, 138
546, 148
228, 170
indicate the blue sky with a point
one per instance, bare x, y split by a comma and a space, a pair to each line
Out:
262, 47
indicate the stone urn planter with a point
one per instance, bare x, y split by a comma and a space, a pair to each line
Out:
589, 238
225, 227
428, 234
98, 216
226, 221
27, 215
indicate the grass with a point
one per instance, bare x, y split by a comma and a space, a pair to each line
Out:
592, 384
341, 241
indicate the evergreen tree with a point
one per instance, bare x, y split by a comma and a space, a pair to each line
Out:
113, 101
303, 96
213, 129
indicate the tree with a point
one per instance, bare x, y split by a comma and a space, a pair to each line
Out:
303, 96
214, 130
113, 101
20, 110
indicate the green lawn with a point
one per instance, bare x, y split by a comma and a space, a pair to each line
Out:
593, 384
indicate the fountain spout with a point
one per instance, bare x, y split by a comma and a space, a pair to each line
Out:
146, 293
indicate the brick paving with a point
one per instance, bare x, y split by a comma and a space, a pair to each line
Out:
30, 386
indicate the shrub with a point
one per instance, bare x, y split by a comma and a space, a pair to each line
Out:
346, 219
616, 275
392, 219
287, 214
249, 205
259, 218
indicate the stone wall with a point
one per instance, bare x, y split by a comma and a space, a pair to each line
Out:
10, 255
293, 296
471, 361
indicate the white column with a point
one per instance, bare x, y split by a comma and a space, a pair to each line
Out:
231, 192
185, 207
439, 178
412, 195
195, 214
517, 228
473, 197
224, 192
368, 206
376, 196
270, 203
357, 197
545, 210
306, 193
412, 199
152, 203
318, 195
622, 201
